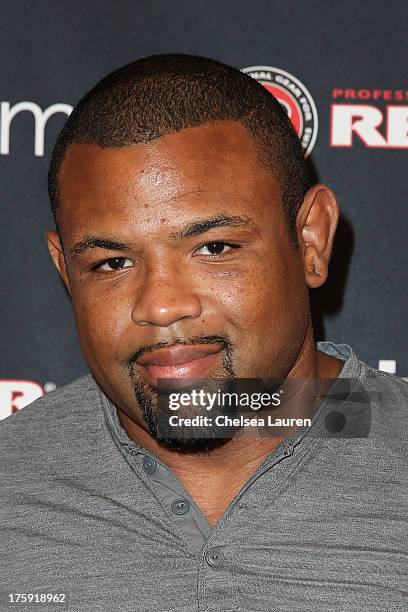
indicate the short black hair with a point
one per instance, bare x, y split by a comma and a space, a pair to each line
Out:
163, 94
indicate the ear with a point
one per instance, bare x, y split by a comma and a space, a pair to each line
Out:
57, 255
316, 224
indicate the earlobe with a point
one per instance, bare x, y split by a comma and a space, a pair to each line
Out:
57, 255
316, 223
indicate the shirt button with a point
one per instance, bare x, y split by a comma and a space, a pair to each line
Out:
149, 465
214, 557
180, 506
288, 451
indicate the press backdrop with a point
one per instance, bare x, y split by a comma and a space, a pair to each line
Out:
339, 68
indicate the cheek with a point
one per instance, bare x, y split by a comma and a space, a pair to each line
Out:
103, 330
101, 321
243, 302
260, 295
268, 311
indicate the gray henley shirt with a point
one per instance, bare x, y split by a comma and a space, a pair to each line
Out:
321, 525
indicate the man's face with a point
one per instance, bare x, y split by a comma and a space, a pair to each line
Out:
202, 258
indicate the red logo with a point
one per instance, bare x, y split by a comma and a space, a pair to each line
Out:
16, 394
295, 99
363, 115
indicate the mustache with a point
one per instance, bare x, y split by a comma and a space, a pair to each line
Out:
224, 340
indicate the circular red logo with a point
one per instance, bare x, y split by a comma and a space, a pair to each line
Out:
295, 99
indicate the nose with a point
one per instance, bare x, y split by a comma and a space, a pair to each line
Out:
166, 296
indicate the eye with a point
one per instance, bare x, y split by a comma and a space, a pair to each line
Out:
217, 248
112, 264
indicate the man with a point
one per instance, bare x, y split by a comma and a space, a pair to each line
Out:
188, 234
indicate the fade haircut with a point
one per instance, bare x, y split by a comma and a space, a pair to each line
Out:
163, 94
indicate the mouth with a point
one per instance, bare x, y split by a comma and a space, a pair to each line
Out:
180, 362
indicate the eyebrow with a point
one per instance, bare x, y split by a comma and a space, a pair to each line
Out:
195, 228
200, 226
89, 243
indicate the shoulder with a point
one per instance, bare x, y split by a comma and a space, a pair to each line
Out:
53, 420
388, 400
62, 399
373, 403
386, 383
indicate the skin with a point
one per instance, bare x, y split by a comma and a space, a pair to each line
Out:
171, 290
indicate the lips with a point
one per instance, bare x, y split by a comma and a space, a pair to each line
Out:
178, 355
181, 362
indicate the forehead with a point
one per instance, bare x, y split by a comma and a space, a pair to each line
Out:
216, 163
